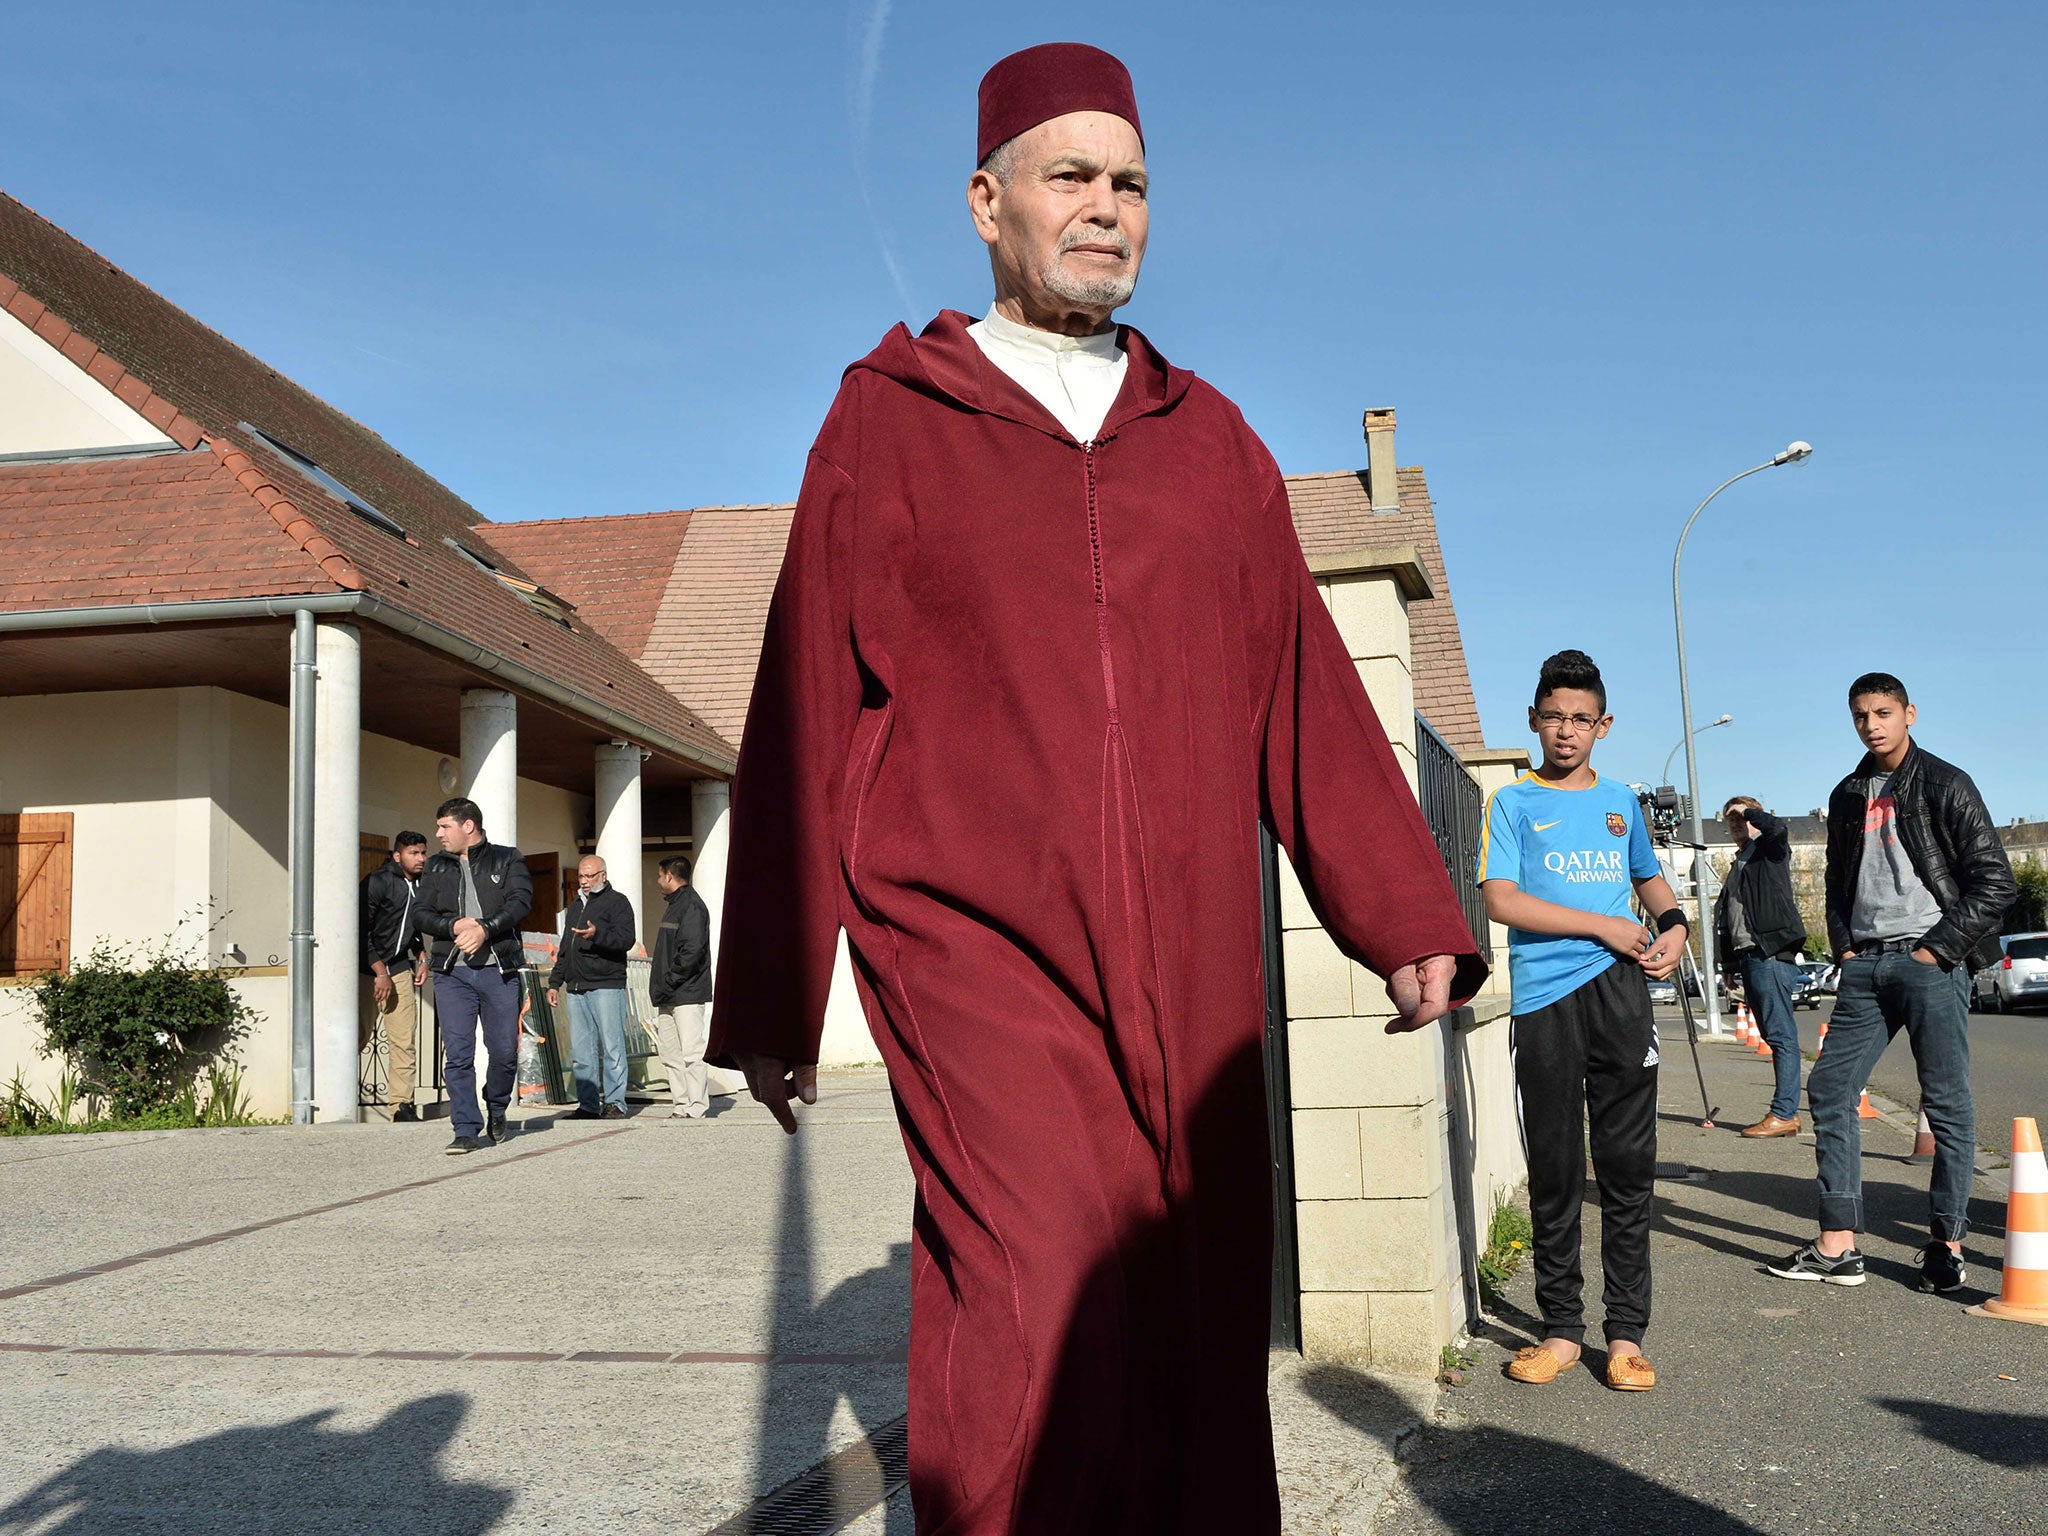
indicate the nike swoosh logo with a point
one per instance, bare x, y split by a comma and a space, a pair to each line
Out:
1543, 826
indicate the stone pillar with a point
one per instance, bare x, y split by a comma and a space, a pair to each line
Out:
337, 817
490, 760
1374, 1224
710, 825
618, 825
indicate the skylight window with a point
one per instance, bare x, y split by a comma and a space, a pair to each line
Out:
360, 505
547, 603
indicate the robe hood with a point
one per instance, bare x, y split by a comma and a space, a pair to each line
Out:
943, 361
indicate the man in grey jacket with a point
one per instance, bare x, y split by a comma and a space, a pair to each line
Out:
679, 984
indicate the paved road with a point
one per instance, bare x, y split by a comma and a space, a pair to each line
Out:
2008, 1070
1781, 1407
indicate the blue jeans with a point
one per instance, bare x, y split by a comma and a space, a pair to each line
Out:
1880, 995
465, 997
1767, 984
597, 1045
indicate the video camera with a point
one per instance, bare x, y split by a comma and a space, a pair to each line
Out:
1665, 810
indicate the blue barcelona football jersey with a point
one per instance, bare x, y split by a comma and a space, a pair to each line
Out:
1581, 848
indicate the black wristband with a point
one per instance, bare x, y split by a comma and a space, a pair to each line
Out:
1675, 918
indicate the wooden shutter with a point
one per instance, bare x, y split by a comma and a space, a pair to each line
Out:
374, 852
35, 893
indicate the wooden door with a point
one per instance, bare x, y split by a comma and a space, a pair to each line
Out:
546, 869
375, 850
35, 893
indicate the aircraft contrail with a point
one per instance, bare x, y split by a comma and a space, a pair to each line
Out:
866, 34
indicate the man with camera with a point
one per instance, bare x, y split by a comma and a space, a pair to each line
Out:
1759, 932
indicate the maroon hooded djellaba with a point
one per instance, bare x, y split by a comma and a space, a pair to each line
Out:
1022, 706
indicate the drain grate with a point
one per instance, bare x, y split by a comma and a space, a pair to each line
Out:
834, 1493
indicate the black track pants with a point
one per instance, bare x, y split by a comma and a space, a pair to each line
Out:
1593, 1051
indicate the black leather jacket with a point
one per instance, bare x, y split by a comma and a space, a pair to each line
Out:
681, 969
598, 963
504, 890
1948, 835
1763, 884
390, 917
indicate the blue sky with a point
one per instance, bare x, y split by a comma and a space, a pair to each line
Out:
612, 258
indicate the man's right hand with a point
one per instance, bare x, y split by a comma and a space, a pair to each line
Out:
381, 987
774, 1081
469, 935
554, 997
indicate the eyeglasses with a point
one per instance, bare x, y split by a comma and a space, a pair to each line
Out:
1557, 720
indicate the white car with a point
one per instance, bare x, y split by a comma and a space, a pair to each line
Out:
2020, 978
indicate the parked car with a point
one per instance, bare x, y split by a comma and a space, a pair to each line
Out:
2018, 979
1806, 988
1692, 985
1664, 994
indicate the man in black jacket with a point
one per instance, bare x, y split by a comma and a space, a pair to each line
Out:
680, 984
1757, 927
392, 959
1917, 883
597, 933
473, 898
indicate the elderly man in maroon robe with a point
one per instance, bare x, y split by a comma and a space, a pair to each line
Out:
1043, 654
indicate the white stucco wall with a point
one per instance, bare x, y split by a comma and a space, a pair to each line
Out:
49, 404
179, 799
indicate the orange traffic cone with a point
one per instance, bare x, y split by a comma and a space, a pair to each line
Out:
2023, 1290
1762, 1046
1923, 1140
1742, 1025
1863, 1109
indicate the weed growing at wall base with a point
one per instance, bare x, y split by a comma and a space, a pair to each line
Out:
1508, 1236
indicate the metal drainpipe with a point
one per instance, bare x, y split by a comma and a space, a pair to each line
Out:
305, 680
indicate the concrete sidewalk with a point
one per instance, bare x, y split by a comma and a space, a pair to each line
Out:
630, 1328
1781, 1406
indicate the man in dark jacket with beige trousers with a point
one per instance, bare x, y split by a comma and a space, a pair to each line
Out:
679, 983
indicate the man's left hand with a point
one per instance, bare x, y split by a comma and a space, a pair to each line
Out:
469, 935
1421, 993
1926, 956
1661, 958
587, 931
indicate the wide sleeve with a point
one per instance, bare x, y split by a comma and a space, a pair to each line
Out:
1642, 853
781, 924
1334, 794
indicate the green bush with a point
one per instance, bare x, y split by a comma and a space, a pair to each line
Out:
2029, 912
138, 1026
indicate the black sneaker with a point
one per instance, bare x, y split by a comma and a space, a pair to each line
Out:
613, 1112
1809, 1263
580, 1113
496, 1130
1941, 1268
404, 1114
461, 1146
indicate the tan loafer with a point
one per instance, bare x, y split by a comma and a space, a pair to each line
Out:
1771, 1125
1537, 1365
1628, 1371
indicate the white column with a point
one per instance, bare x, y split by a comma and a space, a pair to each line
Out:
490, 760
337, 836
618, 825
710, 823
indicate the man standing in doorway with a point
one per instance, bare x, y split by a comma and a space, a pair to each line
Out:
597, 935
679, 983
1757, 927
1917, 883
395, 964
1043, 654
473, 897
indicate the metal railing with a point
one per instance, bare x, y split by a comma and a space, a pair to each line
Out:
1456, 813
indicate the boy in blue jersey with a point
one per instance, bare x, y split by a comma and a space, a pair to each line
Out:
1562, 853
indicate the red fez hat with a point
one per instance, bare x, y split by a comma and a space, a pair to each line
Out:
1049, 81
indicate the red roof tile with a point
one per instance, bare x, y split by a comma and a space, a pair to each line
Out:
617, 579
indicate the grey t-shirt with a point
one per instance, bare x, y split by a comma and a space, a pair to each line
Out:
1891, 903
472, 906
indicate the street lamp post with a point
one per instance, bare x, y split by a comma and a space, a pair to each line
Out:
1792, 455
1724, 720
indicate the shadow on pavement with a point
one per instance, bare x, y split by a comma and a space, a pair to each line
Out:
2016, 1440
1499, 1479
274, 1478
803, 1397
